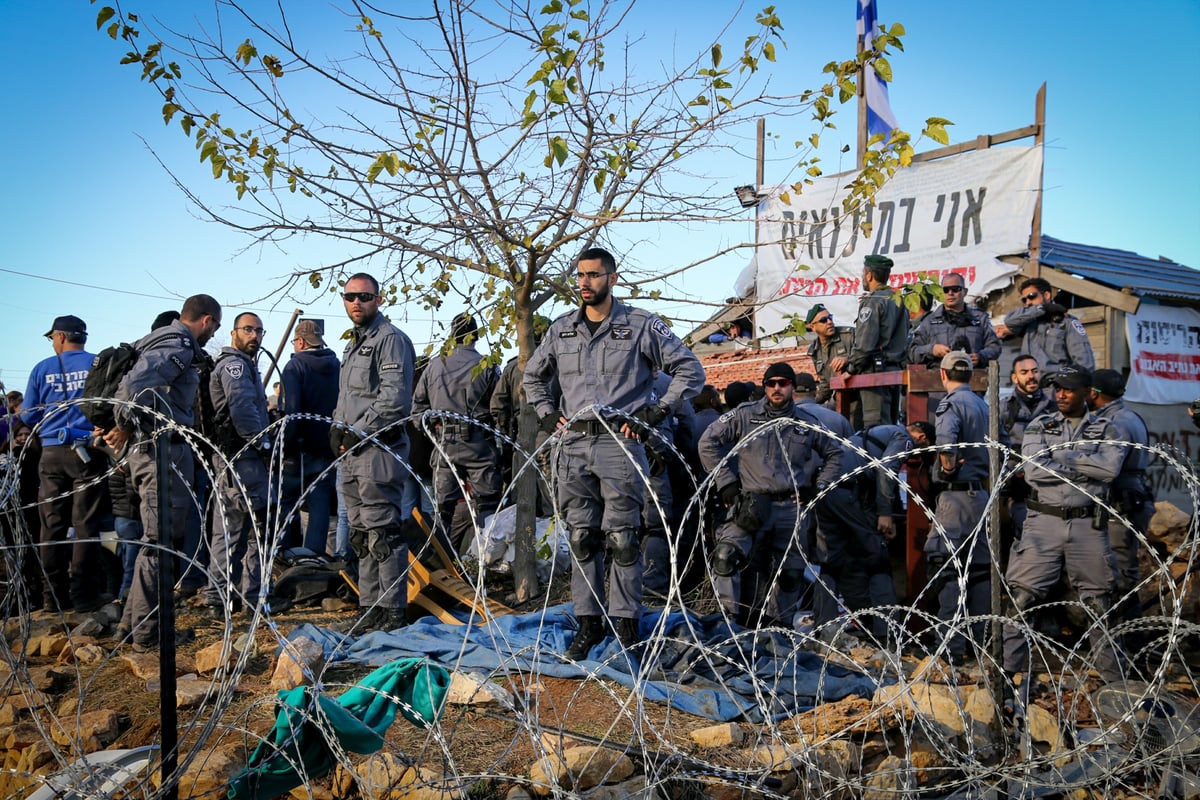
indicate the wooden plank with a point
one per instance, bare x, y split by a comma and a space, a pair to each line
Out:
966, 147
1083, 287
448, 562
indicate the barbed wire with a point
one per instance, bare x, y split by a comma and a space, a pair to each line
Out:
822, 709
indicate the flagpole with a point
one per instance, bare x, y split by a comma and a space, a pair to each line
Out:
862, 105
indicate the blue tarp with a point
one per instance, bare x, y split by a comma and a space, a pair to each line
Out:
700, 665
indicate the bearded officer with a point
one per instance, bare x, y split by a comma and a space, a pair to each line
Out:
604, 356
374, 399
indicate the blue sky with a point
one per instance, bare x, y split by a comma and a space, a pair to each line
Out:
93, 226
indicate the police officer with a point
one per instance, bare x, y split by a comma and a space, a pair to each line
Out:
1132, 493
667, 449
1069, 466
164, 379
1051, 335
880, 342
766, 486
1027, 402
854, 519
310, 387
830, 351
374, 398
954, 326
240, 465
72, 492
467, 466
604, 356
957, 546
508, 404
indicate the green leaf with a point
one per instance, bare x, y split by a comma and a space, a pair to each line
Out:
769, 51
883, 69
938, 133
716, 55
104, 16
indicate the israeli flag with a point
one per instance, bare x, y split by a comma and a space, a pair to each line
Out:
880, 118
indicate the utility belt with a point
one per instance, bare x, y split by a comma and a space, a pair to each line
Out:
965, 486
784, 495
592, 427
1081, 512
460, 431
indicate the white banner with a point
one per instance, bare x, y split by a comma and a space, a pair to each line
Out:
1164, 355
955, 214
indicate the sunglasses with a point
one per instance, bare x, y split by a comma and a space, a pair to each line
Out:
954, 289
1029, 298
822, 320
362, 297
776, 383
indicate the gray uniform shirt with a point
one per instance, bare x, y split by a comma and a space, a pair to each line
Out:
613, 367
1129, 427
166, 368
778, 461
821, 354
375, 385
1018, 410
880, 331
1088, 463
1054, 344
962, 418
236, 385
952, 329
450, 383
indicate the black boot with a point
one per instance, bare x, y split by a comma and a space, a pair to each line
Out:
591, 632
627, 633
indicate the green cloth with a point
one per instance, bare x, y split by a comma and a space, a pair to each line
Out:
299, 745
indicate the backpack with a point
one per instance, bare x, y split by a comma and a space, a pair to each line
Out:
109, 368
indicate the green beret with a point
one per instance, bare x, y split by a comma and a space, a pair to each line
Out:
812, 313
878, 261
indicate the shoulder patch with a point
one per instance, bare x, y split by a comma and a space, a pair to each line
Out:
865, 313
728, 415
177, 361
234, 367
660, 327
386, 367
1094, 430
1078, 326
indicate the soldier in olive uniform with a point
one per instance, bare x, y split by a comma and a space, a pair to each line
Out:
830, 351
880, 342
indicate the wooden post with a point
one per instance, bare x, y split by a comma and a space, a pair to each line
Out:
1034, 267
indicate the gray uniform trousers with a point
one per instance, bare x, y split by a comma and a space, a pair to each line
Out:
854, 559
235, 553
372, 485
471, 460
1124, 543
776, 556
1049, 545
601, 489
141, 604
656, 550
963, 581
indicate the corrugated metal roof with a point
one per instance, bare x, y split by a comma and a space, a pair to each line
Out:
1147, 277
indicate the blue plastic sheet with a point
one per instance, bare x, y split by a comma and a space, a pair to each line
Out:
700, 665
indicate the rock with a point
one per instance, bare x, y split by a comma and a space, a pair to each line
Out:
928, 766
144, 666
22, 735
213, 657
374, 776
312, 792
580, 768
102, 726
474, 689
190, 692
47, 645
299, 662
209, 774
35, 757
1168, 526
779, 756
851, 714
936, 702
1043, 727
518, 793
88, 654
90, 626
8, 715
633, 789
729, 734
893, 778
419, 783
557, 742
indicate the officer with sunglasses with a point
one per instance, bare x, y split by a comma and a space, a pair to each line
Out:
954, 326
1051, 335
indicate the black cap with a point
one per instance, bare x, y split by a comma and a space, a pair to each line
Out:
68, 324
780, 369
1108, 382
805, 382
1069, 377
164, 319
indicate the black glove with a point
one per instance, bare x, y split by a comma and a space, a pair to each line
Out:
549, 423
653, 415
335, 439
1054, 310
729, 494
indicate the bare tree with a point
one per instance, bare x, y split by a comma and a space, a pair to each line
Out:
471, 146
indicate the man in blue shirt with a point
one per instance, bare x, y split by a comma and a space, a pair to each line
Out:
71, 492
